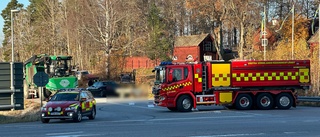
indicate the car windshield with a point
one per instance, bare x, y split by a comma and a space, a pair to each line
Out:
96, 84
160, 75
65, 97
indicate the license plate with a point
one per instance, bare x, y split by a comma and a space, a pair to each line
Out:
55, 113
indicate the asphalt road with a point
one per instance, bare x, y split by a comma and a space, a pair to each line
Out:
138, 118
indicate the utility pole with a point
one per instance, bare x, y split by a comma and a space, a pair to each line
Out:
264, 34
318, 51
292, 44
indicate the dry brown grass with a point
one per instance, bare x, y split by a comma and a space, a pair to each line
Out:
30, 113
313, 104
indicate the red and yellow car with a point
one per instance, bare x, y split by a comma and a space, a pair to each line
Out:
69, 104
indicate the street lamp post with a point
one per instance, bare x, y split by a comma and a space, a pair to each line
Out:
264, 34
292, 43
12, 56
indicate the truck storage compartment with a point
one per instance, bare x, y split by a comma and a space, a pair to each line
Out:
270, 73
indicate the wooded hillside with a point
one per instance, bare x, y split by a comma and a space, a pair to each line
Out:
100, 34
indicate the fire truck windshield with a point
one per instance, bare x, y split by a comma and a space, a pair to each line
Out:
160, 75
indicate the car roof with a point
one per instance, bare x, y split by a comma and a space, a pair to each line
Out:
72, 90
83, 71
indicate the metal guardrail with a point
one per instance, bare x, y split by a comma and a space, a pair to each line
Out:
308, 99
6, 106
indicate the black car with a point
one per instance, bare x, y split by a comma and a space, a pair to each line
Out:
103, 88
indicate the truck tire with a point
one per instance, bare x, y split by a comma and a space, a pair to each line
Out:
265, 101
243, 102
184, 103
284, 101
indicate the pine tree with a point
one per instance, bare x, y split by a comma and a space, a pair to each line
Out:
159, 43
6, 15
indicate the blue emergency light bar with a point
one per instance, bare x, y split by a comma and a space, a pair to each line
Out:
165, 63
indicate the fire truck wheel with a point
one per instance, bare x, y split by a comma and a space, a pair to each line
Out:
284, 101
172, 108
184, 103
243, 102
265, 101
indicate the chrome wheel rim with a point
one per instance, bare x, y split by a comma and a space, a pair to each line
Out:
244, 102
265, 101
284, 101
79, 116
186, 103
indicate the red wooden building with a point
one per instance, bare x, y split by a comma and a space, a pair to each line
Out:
199, 47
140, 62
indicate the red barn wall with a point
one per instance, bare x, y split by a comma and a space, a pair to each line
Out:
182, 52
140, 62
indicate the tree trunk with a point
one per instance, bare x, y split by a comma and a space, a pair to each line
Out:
220, 50
67, 29
241, 44
107, 38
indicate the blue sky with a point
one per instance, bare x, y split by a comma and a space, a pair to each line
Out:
3, 5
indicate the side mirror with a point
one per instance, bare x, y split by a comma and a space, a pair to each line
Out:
170, 77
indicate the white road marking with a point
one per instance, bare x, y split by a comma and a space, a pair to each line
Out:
290, 132
131, 103
248, 113
135, 106
81, 135
232, 135
65, 133
150, 106
311, 121
175, 119
71, 134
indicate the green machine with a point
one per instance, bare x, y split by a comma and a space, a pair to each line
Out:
59, 70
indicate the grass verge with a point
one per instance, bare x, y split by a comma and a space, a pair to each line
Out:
30, 113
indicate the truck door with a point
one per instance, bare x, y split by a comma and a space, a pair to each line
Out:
179, 81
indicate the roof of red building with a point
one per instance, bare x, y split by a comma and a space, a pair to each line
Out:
192, 40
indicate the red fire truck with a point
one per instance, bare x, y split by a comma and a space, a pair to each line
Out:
238, 84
